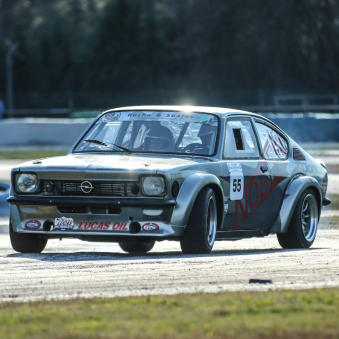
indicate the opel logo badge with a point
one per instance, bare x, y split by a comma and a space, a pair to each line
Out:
86, 187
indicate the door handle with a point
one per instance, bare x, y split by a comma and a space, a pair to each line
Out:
264, 169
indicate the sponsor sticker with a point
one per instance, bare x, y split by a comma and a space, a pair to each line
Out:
225, 209
234, 166
110, 117
103, 225
33, 224
160, 116
150, 227
175, 176
63, 224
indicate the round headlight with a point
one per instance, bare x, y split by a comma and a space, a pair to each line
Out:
153, 186
27, 183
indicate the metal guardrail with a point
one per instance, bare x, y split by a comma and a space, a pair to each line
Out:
90, 113
53, 113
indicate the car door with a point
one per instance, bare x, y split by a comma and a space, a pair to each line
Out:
275, 150
247, 177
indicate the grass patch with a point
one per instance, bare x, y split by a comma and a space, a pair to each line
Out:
30, 155
279, 314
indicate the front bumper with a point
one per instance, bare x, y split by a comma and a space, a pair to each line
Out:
31, 214
71, 201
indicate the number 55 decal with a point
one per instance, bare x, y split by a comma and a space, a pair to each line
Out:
237, 185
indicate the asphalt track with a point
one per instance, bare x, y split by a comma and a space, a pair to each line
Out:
71, 269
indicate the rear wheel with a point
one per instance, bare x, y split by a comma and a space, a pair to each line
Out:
136, 247
201, 229
304, 224
27, 243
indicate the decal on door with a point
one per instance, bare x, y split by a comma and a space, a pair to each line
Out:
236, 181
262, 191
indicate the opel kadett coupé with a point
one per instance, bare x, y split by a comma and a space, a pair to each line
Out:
191, 174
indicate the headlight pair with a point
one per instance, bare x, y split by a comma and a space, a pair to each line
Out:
29, 183
26, 183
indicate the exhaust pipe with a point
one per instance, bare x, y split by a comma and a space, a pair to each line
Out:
134, 227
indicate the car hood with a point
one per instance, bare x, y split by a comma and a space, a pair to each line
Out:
79, 164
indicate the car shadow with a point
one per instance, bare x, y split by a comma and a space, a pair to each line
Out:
94, 256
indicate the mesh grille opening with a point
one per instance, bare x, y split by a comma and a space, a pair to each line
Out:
93, 188
67, 209
297, 154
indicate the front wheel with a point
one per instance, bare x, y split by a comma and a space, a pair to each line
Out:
304, 223
136, 247
201, 229
27, 243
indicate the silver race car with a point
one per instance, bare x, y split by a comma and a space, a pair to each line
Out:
191, 174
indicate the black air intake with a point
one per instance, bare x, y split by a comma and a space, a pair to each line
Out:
297, 155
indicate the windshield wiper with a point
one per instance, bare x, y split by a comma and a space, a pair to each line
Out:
104, 144
96, 142
123, 148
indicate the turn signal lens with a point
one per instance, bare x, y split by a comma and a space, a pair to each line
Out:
175, 189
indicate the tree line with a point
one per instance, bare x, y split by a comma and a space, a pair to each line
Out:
281, 46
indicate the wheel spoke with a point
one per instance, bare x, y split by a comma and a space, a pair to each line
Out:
211, 222
305, 207
306, 216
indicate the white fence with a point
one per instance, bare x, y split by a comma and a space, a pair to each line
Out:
41, 132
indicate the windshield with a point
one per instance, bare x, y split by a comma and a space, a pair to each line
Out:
152, 131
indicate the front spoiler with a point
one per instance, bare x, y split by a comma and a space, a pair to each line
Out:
44, 210
103, 202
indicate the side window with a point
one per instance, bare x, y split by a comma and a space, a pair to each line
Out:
240, 141
273, 145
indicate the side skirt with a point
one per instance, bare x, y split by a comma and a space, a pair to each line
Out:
237, 235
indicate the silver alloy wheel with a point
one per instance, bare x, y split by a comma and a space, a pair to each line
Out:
211, 220
309, 217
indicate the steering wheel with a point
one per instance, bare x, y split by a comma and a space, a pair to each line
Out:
196, 148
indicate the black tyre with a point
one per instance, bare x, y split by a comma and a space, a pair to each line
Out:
201, 229
27, 243
136, 247
304, 223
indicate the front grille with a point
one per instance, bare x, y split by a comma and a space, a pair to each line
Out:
91, 188
115, 189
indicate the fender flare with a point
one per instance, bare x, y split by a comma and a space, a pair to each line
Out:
188, 193
292, 195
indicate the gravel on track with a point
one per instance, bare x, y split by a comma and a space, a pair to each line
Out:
71, 269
